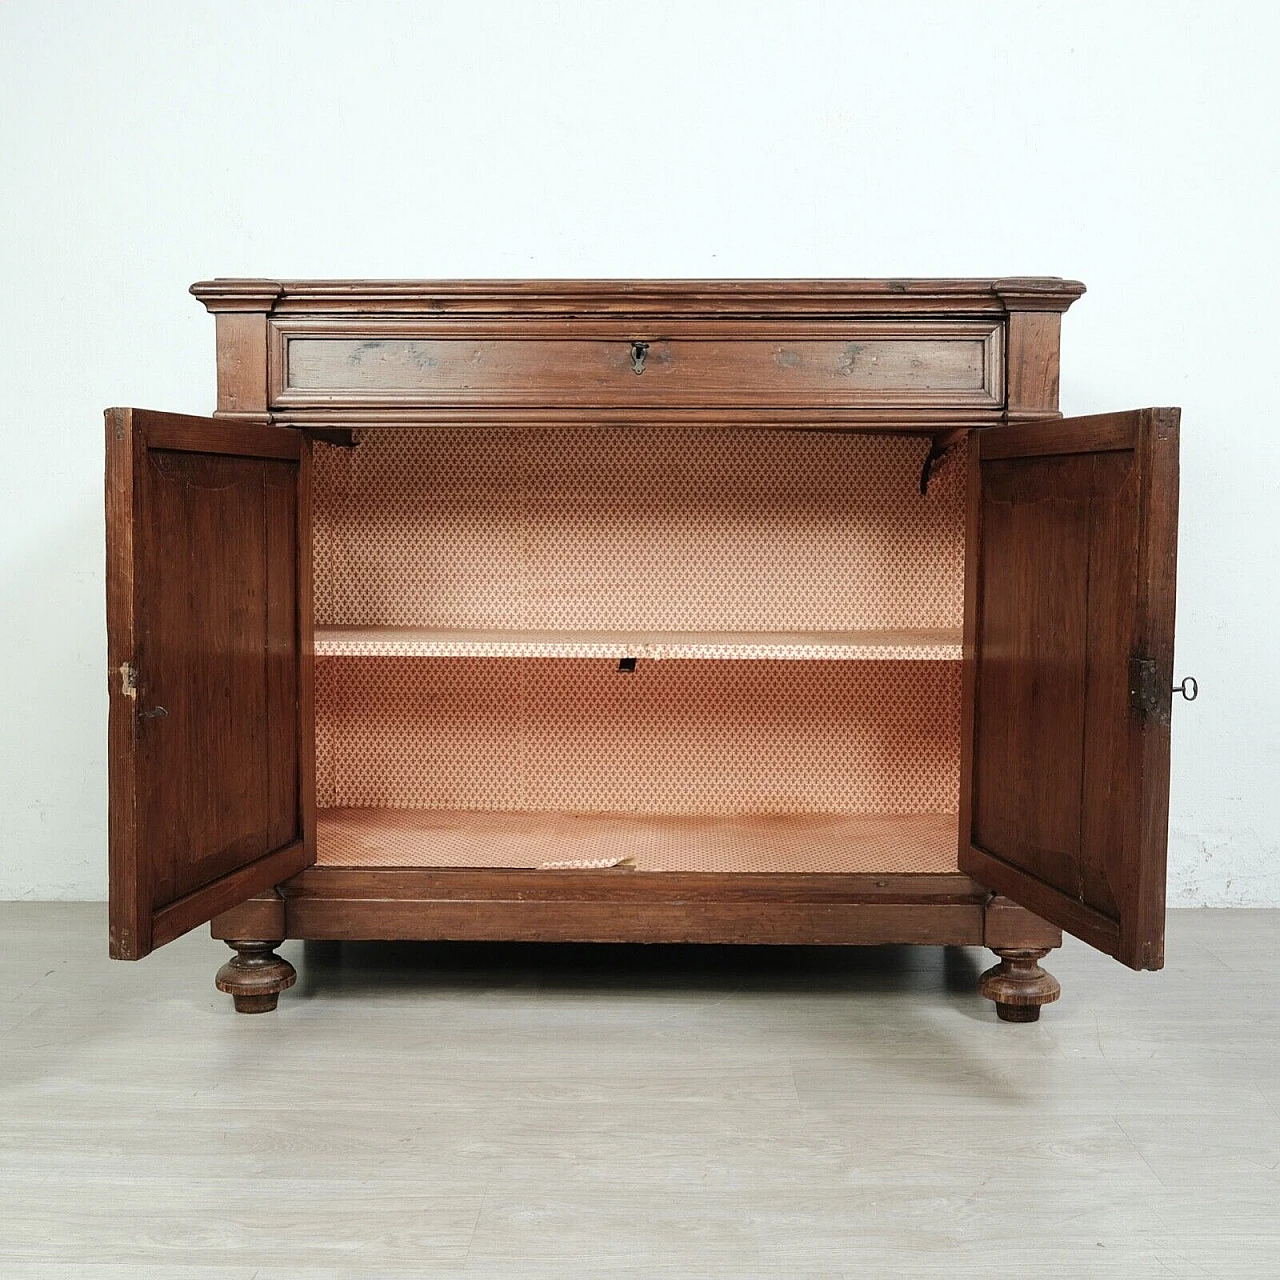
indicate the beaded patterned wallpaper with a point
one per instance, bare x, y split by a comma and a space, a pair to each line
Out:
627, 529
674, 737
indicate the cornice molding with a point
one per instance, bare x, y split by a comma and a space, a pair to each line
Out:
238, 295
1034, 293
738, 298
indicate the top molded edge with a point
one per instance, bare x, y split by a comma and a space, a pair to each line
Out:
670, 297
238, 295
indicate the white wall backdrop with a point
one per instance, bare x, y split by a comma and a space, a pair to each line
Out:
1133, 145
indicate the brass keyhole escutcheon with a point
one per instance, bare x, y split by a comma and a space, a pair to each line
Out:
639, 350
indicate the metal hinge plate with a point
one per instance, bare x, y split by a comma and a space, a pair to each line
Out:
1149, 695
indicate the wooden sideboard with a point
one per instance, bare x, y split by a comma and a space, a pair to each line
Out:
785, 611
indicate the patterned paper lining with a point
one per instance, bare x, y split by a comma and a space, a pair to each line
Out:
673, 737
625, 529
497, 534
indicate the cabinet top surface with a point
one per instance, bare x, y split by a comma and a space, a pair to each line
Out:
714, 297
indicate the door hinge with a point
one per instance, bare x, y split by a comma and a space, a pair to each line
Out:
1149, 695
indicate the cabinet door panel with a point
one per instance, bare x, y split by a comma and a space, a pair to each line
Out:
1070, 596
206, 643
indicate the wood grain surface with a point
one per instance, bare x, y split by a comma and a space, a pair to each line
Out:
203, 618
1075, 525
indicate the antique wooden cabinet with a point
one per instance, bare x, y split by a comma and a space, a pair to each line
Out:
784, 611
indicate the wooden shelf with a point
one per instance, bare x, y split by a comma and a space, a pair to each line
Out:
420, 642
900, 843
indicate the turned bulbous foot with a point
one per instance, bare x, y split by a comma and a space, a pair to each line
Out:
1018, 985
255, 976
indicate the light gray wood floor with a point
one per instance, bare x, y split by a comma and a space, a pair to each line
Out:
582, 1112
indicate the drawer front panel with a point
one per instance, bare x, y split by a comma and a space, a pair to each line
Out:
811, 365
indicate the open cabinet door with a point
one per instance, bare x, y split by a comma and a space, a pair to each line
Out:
210, 714
1072, 548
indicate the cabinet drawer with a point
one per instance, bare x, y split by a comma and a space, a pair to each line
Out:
568, 364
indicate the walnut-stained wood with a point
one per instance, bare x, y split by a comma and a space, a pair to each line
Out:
204, 639
1073, 529
563, 906
606, 363
255, 976
240, 309
797, 924
884, 355
1069, 575
1009, 925
1032, 364
488, 904
886, 419
242, 366
1018, 985
306, 654
261, 916
741, 299
515, 885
